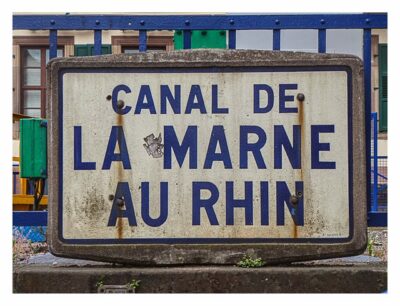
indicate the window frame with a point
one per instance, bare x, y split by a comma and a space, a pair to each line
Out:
42, 43
132, 41
42, 86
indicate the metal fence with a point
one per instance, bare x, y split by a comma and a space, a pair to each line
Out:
379, 177
230, 23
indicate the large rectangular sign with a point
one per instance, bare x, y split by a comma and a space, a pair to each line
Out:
184, 155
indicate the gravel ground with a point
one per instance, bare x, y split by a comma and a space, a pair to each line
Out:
377, 242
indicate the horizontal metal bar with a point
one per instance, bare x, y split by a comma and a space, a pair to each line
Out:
199, 22
30, 218
377, 219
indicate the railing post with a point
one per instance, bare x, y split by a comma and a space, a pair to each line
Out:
321, 41
232, 39
187, 39
276, 40
53, 44
97, 42
367, 93
142, 40
375, 190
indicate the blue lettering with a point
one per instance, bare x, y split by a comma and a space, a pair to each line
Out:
78, 163
256, 98
122, 194
255, 148
174, 100
281, 140
218, 137
116, 136
163, 205
114, 98
207, 204
195, 94
189, 143
264, 199
296, 210
316, 147
145, 94
283, 98
246, 203
214, 102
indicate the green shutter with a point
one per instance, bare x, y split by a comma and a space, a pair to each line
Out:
202, 39
81, 50
105, 49
382, 87
33, 148
88, 50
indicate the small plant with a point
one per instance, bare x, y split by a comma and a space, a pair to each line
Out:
370, 247
133, 284
248, 262
100, 282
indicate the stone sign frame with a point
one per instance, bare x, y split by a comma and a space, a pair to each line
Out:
224, 253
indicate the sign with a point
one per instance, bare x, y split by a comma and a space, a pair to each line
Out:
187, 155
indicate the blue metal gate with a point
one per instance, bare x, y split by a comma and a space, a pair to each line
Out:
231, 23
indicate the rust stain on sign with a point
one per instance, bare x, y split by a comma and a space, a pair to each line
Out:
120, 225
300, 98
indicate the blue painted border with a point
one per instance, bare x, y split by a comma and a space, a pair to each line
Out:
63, 71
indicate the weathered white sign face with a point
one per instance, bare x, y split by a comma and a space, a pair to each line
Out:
205, 155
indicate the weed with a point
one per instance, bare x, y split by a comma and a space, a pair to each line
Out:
248, 262
133, 284
370, 247
100, 282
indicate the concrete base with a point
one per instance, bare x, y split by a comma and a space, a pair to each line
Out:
49, 274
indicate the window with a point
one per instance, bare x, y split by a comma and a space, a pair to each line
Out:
130, 44
33, 79
382, 87
130, 49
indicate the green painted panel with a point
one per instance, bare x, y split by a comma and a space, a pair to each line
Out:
33, 148
88, 50
202, 39
81, 50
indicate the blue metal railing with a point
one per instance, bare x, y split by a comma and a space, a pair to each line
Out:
231, 23
378, 206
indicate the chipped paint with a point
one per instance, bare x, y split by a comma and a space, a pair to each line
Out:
154, 146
